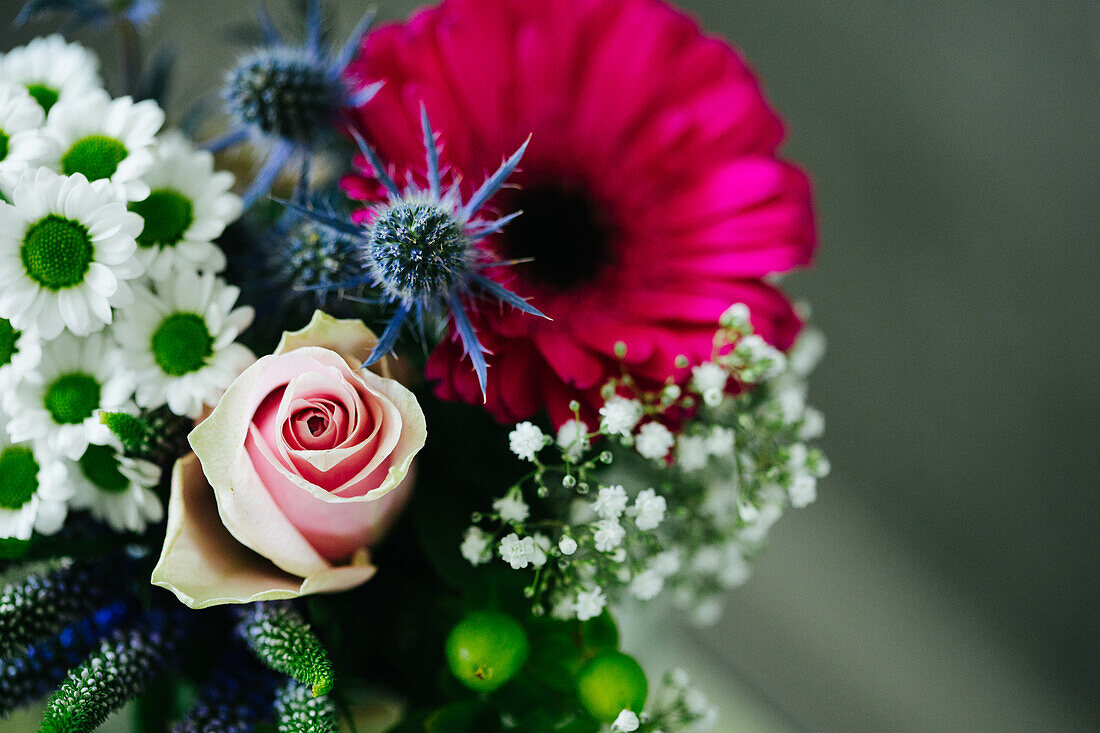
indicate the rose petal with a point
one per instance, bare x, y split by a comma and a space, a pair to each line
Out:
204, 565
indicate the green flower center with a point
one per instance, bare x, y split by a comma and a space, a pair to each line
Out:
182, 344
44, 95
167, 214
18, 477
96, 156
8, 337
100, 465
72, 398
57, 252
3, 144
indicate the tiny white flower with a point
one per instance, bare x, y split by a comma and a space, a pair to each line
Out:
34, 489
755, 350
590, 603
540, 544
707, 613
516, 552
709, 379
792, 403
181, 341
526, 440
707, 560
188, 207
572, 438
75, 380
807, 351
116, 488
66, 251
803, 490
691, 452
512, 508
627, 722
666, 563
619, 415
736, 570
813, 424
104, 139
567, 545
736, 316
654, 441
721, 441
51, 70
679, 677
647, 584
475, 546
609, 535
696, 702
563, 608
649, 510
610, 502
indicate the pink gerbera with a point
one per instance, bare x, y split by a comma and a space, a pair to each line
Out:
652, 195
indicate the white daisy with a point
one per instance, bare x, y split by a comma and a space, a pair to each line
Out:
66, 249
20, 121
188, 207
51, 70
77, 378
20, 353
116, 489
104, 139
180, 341
34, 490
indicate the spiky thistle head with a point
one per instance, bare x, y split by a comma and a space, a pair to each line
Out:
306, 256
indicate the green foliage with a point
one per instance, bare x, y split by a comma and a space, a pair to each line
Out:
281, 639
134, 433
298, 710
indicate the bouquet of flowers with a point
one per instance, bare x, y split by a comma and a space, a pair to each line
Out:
485, 351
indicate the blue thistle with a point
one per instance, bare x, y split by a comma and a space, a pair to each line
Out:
94, 13
304, 256
289, 96
420, 249
298, 711
115, 673
42, 605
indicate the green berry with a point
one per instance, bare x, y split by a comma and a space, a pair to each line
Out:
486, 649
610, 683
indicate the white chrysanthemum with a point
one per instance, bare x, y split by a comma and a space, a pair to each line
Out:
590, 603
188, 207
116, 489
20, 121
181, 341
526, 440
34, 489
619, 415
104, 139
20, 353
51, 70
572, 438
76, 378
654, 441
66, 252
475, 546
512, 508
610, 502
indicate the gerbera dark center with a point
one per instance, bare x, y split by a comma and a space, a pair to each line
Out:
44, 95
8, 338
18, 477
563, 231
56, 252
167, 214
96, 156
100, 465
182, 344
72, 398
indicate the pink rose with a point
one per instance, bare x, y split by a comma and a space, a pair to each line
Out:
299, 469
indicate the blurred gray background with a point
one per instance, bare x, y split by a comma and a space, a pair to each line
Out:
948, 579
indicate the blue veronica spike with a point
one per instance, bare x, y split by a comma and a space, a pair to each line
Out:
505, 295
432, 152
389, 336
376, 164
495, 181
470, 343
